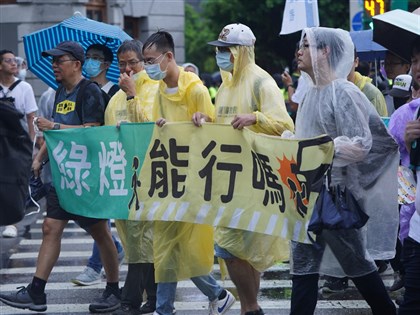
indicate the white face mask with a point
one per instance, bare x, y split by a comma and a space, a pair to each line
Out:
22, 74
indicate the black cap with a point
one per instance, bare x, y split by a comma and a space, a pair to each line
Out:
67, 48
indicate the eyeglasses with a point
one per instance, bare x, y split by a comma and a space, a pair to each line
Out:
153, 61
131, 64
10, 60
61, 61
303, 46
222, 49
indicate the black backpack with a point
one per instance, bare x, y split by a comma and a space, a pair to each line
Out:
15, 164
9, 98
83, 84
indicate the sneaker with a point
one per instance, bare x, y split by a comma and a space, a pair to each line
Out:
219, 307
382, 266
335, 285
88, 277
25, 299
399, 300
398, 282
121, 256
257, 312
10, 231
148, 308
127, 309
108, 302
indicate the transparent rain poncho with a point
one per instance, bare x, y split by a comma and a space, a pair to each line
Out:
366, 159
136, 237
252, 90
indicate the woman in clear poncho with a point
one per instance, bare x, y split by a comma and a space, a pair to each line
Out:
365, 161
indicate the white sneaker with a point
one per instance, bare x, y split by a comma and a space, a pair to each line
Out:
87, 277
10, 231
219, 307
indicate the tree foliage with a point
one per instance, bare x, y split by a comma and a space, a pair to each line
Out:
264, 17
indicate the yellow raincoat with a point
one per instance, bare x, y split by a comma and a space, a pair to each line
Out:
252, 90
373, 94
136, 237
182, 250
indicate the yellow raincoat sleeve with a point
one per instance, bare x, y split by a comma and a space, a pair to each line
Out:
272, 116
201, 98
140, 107
116, 109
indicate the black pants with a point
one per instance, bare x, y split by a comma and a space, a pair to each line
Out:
371, 287
411, 261
140, 277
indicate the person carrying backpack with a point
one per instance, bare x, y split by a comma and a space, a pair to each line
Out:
67, 61
15, 164
20, 95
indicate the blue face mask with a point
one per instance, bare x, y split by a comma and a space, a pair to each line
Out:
154, 72
223, 61
92, 67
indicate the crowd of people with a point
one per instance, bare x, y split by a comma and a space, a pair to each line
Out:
325, 94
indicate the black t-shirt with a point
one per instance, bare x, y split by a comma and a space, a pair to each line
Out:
92, 111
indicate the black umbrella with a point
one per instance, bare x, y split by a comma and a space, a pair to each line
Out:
396, 30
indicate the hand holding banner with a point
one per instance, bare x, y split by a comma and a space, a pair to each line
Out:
212, 175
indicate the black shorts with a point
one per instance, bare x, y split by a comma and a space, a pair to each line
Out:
54, 211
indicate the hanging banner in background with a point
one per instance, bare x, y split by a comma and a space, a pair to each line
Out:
299, 14
211, 175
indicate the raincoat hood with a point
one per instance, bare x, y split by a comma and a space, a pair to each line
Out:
185, 82
331, 51
244, 60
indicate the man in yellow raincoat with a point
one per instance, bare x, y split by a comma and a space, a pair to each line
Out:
365, 85
248, 97
181, 250
133, 103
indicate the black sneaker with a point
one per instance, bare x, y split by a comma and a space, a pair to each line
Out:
335, 285
127, 309
148, 308
25, 299
108, 302
398, 282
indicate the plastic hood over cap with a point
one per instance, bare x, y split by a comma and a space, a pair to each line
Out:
339, 48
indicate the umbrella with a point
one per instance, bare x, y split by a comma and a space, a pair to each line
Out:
77, 28
396, 30
367, 49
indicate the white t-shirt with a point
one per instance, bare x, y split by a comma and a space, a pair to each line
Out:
300, 91
24, 99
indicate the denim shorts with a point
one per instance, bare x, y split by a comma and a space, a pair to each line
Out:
222, 253
54, 211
